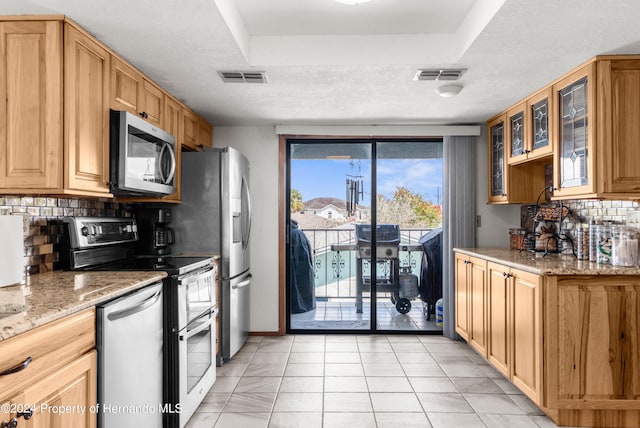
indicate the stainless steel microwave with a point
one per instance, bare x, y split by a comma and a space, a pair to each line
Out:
143, 160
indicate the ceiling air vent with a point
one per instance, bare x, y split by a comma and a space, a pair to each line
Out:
243, 76
447, 74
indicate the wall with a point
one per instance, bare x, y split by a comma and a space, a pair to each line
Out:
45, 215
260, 146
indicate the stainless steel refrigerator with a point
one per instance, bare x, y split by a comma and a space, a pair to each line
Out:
215, 217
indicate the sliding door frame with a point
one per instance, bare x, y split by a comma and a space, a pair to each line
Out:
284, 184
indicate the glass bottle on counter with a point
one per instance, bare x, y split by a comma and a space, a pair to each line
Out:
582, 243
603, 244
593, 240
624, 246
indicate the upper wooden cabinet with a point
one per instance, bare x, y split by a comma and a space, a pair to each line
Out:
205, 135
528, 123
497, 160
132, 92
86, 124
598, 109
575, 157
584, 124
57, 83
31, 85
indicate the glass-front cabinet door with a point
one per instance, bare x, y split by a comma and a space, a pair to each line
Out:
539, 107
574, 160
497, 160
516, 139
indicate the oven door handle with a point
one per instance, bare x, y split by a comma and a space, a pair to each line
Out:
137, 308
203, 326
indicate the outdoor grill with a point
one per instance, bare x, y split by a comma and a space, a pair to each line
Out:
387, 241
390, 277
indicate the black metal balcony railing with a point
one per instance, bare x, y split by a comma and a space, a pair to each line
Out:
335, 270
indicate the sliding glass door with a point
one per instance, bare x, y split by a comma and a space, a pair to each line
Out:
363, 235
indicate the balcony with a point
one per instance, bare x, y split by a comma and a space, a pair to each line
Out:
336, 287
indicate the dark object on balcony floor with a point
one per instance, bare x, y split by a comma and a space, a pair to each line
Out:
431, 271
301, 281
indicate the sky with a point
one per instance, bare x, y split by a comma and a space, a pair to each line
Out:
326, 178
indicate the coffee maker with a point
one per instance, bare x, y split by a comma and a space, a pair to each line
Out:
155, 234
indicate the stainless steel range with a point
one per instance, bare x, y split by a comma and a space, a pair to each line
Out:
188, 357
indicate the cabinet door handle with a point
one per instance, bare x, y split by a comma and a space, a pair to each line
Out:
144, 114
23, 365
506, 275
27, 414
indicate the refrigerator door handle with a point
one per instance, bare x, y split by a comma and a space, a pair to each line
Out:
243, 283
246, 230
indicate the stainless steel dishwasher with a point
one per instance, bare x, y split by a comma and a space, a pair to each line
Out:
130, 360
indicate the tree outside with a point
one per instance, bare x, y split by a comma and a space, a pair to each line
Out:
296, 201
408, 209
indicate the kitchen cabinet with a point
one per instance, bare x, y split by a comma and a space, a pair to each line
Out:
86, 123
517, 144
575, 160
598, 106
462, 281
58, 83
205, 134
568, 338
132, 92
190, 129
509, 184
31, 108
61, 371
46, 151
470, 294
497, 161
528, 123
514, 310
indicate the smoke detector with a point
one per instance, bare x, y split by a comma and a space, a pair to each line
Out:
243, 76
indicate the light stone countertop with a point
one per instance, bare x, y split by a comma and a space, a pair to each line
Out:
551, 264
50, 296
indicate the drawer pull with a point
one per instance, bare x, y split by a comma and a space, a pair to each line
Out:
23, 365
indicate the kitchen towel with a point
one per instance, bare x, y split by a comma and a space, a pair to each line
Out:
11, 250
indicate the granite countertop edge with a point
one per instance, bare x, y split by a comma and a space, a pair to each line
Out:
550, 264
51, 296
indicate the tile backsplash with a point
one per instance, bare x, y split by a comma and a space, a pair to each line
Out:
584, 209
45, 218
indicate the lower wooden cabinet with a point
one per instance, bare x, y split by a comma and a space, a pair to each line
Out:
515, 327
571, 343
58, 381
471, 288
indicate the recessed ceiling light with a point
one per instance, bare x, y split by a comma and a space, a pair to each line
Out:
352, 2
448, 91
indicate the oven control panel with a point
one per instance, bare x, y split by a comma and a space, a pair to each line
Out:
86, 232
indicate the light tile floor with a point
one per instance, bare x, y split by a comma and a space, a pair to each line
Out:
341, 314
368, 381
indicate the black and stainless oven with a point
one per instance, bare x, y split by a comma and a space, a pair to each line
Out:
190, 306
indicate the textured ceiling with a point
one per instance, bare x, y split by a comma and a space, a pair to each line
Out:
331, 64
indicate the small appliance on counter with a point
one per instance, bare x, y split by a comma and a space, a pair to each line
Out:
155, 234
